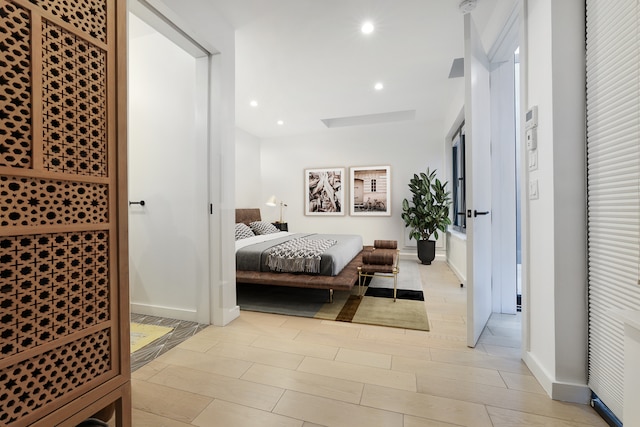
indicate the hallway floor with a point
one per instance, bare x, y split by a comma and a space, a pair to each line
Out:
272, 370
182, 330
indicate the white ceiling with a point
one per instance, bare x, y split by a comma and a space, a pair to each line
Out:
306, 61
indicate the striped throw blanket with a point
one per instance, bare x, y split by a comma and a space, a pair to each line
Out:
298, 255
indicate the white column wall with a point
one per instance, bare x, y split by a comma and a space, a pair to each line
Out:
570, 194
556, 292
540, 215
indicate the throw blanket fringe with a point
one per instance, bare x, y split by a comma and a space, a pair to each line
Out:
298, 255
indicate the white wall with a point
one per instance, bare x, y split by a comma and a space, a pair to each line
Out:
167, 247
248, 176
457, 254
408, 147
556, 292
456, 247
202, 22
456, 242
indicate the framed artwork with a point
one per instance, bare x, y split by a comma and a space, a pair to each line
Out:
324, 191
370, 191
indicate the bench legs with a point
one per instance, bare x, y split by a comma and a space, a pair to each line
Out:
391, 274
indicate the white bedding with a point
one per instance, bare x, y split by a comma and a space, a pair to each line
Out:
259, 239
252, 252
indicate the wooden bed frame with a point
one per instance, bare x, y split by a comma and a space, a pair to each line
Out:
346, 280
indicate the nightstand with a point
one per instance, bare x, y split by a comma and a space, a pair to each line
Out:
282, 226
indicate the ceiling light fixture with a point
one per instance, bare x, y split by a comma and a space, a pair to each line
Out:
378, 86
367, 27
280, 122
254, 103
466, 6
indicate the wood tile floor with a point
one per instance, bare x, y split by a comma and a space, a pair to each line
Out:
271, 370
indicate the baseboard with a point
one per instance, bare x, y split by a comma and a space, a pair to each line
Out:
168, 312
412, 255
230, 315
557, 390
574, 393
457, 272
408, 255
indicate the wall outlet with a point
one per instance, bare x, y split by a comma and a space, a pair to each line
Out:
533, 189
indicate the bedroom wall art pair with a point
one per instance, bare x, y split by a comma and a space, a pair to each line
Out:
369, 195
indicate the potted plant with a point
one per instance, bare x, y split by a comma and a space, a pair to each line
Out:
427, 213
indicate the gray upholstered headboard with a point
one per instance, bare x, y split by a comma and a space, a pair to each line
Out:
247, 215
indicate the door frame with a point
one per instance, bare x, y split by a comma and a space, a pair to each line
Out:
504, 208
511, 35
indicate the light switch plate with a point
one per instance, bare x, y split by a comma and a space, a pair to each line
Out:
533, 189
533, 160
531, 136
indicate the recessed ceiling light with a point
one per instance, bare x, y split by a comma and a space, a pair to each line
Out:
378, 86
280, 122
367, 27
254, 103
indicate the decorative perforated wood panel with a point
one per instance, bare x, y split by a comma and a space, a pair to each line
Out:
34, 382
36, 202
60, 299
53, 285
88, 16
15, 87
74, 98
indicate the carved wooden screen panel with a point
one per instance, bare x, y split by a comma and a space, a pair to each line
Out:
59, 237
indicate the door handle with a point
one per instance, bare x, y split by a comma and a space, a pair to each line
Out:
476, 213
141, 203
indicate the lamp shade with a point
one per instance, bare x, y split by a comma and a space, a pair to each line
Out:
271, 201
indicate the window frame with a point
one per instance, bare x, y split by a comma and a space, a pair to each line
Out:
458, 183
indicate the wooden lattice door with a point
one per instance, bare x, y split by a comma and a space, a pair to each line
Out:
63, 289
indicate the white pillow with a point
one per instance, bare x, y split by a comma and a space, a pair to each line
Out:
261, 227
243, 231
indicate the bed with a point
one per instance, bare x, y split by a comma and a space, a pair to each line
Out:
338, 266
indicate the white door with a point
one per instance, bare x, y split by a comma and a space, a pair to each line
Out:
478, 190
168, 236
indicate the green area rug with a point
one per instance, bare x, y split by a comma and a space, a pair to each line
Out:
376, 307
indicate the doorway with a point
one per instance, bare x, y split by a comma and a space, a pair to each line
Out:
493, 169
506, 251
168, 170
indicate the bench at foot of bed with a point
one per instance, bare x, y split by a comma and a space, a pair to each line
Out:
381, 261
